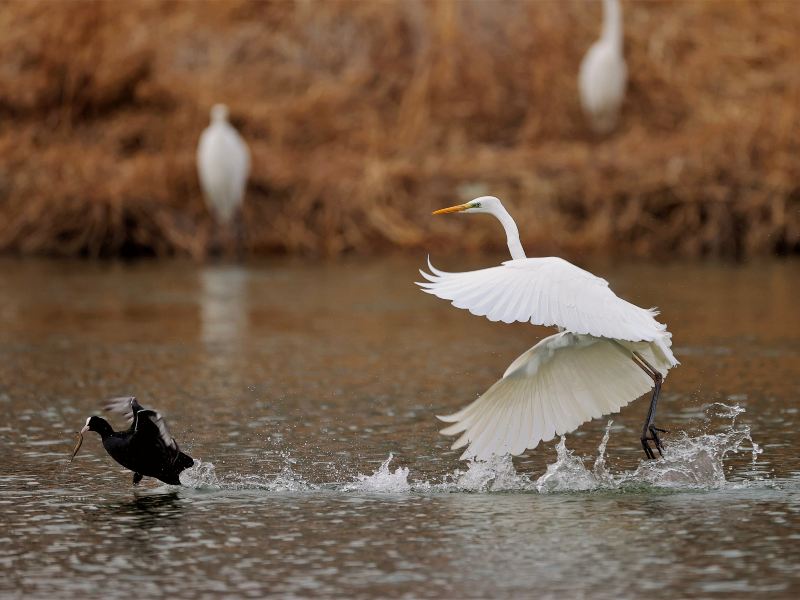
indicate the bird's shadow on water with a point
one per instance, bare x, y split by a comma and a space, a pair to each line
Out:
146, 510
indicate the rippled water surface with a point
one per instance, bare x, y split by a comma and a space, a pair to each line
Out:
308, 392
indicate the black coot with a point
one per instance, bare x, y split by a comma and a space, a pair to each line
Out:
146, 448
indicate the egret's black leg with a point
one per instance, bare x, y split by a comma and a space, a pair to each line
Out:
137, 477
649, 430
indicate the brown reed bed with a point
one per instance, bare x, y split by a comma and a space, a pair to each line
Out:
362, 117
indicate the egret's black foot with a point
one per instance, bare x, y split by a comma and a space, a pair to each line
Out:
648, 452
137, 477
653, 437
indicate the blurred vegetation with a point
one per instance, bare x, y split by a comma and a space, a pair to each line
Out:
362, 117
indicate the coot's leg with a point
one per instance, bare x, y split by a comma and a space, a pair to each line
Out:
649, 430
137, 477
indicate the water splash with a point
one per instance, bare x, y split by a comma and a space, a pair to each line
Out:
203, 476
698, 461
695, 462
689, 461
567, 474
495, 475
600, 471
383, 480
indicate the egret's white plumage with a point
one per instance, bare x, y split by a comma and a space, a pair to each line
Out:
223, 164
587, 370
603, 73
545, 291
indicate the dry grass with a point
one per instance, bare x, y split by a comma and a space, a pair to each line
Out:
364, 116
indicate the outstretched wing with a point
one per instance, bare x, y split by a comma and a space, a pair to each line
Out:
540, 397
545, 291
143, 419
150, 421
127, 406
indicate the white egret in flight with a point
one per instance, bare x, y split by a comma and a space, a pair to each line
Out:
607, 353
223, 163
603, 74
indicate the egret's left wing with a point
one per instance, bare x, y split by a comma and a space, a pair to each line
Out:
540, 397
545, 291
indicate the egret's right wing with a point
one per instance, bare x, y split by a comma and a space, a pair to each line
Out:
540, 397
545, 291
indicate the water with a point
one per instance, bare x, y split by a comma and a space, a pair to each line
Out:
308, 391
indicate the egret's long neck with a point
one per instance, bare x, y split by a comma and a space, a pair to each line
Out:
612, 23
512, 233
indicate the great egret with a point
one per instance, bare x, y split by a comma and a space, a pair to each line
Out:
607, 353
603, 74
223, 163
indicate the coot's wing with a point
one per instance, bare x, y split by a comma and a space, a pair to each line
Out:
149, 422
152, 425
127, 406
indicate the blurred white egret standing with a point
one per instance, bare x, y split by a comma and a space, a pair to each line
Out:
223, 164
603, 74
608, 352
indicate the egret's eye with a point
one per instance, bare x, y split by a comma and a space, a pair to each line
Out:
476, 205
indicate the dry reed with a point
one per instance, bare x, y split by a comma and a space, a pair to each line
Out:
364, 116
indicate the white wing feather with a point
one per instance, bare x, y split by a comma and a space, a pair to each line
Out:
545, 291
540, 397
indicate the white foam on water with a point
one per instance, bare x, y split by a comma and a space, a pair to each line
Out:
200, 475
689, 462
382, 481
203, 476
568, 473
697, 461
495, 475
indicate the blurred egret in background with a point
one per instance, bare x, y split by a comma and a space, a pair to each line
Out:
603, 74
223, 164
607, 353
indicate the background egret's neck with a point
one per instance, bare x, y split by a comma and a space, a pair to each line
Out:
512, 233
612, 22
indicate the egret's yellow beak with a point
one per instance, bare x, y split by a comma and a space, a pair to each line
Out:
451, 209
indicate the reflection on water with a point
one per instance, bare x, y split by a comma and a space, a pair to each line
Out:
144, 511
224, 313
308, 392
223, 306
